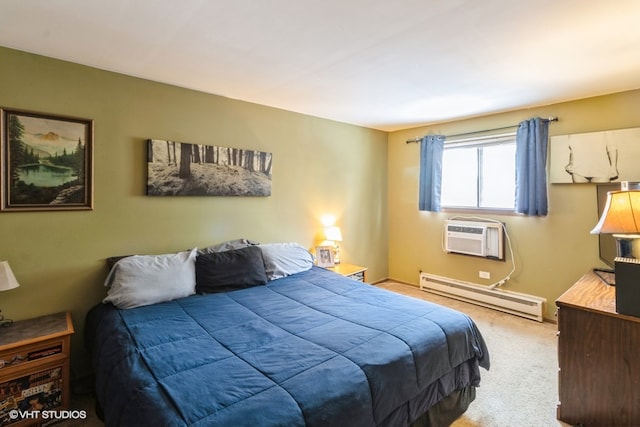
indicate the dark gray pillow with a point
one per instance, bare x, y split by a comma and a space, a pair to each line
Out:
230, 270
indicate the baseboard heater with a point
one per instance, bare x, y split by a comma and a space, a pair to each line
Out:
524, 305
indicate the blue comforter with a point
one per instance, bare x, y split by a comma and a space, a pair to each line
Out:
311, 349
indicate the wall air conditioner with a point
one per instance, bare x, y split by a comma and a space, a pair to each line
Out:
477, 238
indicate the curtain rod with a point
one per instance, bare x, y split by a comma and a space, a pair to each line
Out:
418, 139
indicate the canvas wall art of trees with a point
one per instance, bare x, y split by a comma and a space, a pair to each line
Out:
46, 162
182, 169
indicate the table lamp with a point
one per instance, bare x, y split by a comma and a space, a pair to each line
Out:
621, 217
333, 235
7, 281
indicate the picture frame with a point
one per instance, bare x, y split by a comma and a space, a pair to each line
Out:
177, 168
324, 256
46, 162
595, 157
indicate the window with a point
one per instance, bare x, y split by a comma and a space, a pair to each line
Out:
479, 173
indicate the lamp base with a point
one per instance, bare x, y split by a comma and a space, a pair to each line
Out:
627, 289
627, 245
5, 322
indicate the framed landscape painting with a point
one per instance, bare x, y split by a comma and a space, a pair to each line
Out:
46, 162
182, 169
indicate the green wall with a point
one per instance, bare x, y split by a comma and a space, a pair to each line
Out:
319, 167
368, 179
551, 252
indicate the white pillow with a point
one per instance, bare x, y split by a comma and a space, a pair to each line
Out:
148, 279
284, 259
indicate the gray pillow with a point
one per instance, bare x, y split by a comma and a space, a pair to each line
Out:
284, 259
227, 246
140, 280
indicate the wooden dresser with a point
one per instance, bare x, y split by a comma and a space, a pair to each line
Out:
598, 357
34, 370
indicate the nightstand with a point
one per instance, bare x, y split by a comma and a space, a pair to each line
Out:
34, 369
352, 271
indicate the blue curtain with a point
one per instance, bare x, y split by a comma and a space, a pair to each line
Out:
431, 149
531, 161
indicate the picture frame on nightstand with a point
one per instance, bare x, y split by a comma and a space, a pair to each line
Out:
324, 256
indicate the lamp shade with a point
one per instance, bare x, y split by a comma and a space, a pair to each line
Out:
333, 234
7, 279
621, 214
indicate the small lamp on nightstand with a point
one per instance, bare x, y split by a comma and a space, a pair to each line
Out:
7, 281
333, 235
621, 217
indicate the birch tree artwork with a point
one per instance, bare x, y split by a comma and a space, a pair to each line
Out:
595, 157
182, 169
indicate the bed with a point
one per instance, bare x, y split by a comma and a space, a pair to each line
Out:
295, 347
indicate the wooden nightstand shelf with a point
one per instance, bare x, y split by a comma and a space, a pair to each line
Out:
352, 271
34, 368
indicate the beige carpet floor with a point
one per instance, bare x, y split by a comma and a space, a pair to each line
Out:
519, 390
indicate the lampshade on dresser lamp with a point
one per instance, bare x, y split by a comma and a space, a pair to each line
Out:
621, 217
333, 236
7, 281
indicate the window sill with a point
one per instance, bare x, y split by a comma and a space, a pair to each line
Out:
483, 211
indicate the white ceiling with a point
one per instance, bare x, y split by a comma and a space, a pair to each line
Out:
378, 63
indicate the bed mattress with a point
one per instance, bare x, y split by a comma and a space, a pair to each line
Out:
314, 348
